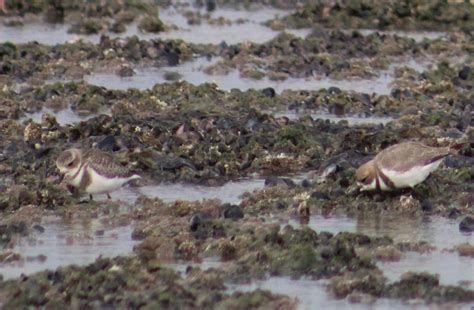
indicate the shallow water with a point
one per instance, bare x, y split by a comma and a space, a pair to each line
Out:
452, 268
192, 72
67, 244
229, 192
207, 263
250, 29
351, 120
63, 117
440, 232
418, 36
313, 295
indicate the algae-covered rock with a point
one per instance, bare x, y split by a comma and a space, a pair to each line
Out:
151, 23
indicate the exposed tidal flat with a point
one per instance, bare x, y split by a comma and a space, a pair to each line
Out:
247, 122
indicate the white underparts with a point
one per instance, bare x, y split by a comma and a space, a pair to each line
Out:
100, 184
411, 177
76, 181
399, 179
368, 187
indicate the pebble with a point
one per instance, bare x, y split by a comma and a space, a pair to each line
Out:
426, 206
232, 211
197, 219
269, 92
467, 224
465, 72
108, 144
274, 181
319, 195
39, 228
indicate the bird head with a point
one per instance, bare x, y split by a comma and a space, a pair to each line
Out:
69, 162
365, 176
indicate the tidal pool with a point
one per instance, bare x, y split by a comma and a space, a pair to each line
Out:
230, 192
351, 120
313, 295
63, 117
418, 36
246, 25
62, 244
193, 73
440, 232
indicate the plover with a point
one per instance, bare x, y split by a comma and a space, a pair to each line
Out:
93, 171
400, 166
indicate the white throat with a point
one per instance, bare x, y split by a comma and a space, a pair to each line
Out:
74, 177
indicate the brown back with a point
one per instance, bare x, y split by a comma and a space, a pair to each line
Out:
403, 156
106, 165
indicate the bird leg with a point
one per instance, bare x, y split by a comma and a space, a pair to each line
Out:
90, 197
108, 196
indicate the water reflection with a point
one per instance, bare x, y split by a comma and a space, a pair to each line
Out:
440, 232
246, 26
193, 73
63, 117
65, 244
312, 295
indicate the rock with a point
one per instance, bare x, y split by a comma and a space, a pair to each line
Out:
86, 26
426, 206
458, 161
39, 228
151, 24
32, 133
454, 213
108, 144
10, 150
139, 234
197, 219
172, 76
172, 58
280, 205
211, 5
118, 27
125, 70
467, 224
173, 163
269, 92
466, 249
319, 195
334, 90
465, 72
274, 181
232, 211
306, 183
277, 76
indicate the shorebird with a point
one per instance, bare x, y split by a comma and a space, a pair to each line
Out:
400, 166
93, 171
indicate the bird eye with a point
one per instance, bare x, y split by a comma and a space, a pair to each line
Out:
70, 164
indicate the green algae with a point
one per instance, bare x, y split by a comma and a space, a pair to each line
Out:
407, 15
124, 282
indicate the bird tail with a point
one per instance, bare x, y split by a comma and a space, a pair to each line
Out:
134, 177
456, 146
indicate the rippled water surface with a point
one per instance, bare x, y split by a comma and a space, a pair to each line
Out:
440, 232
65, 244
